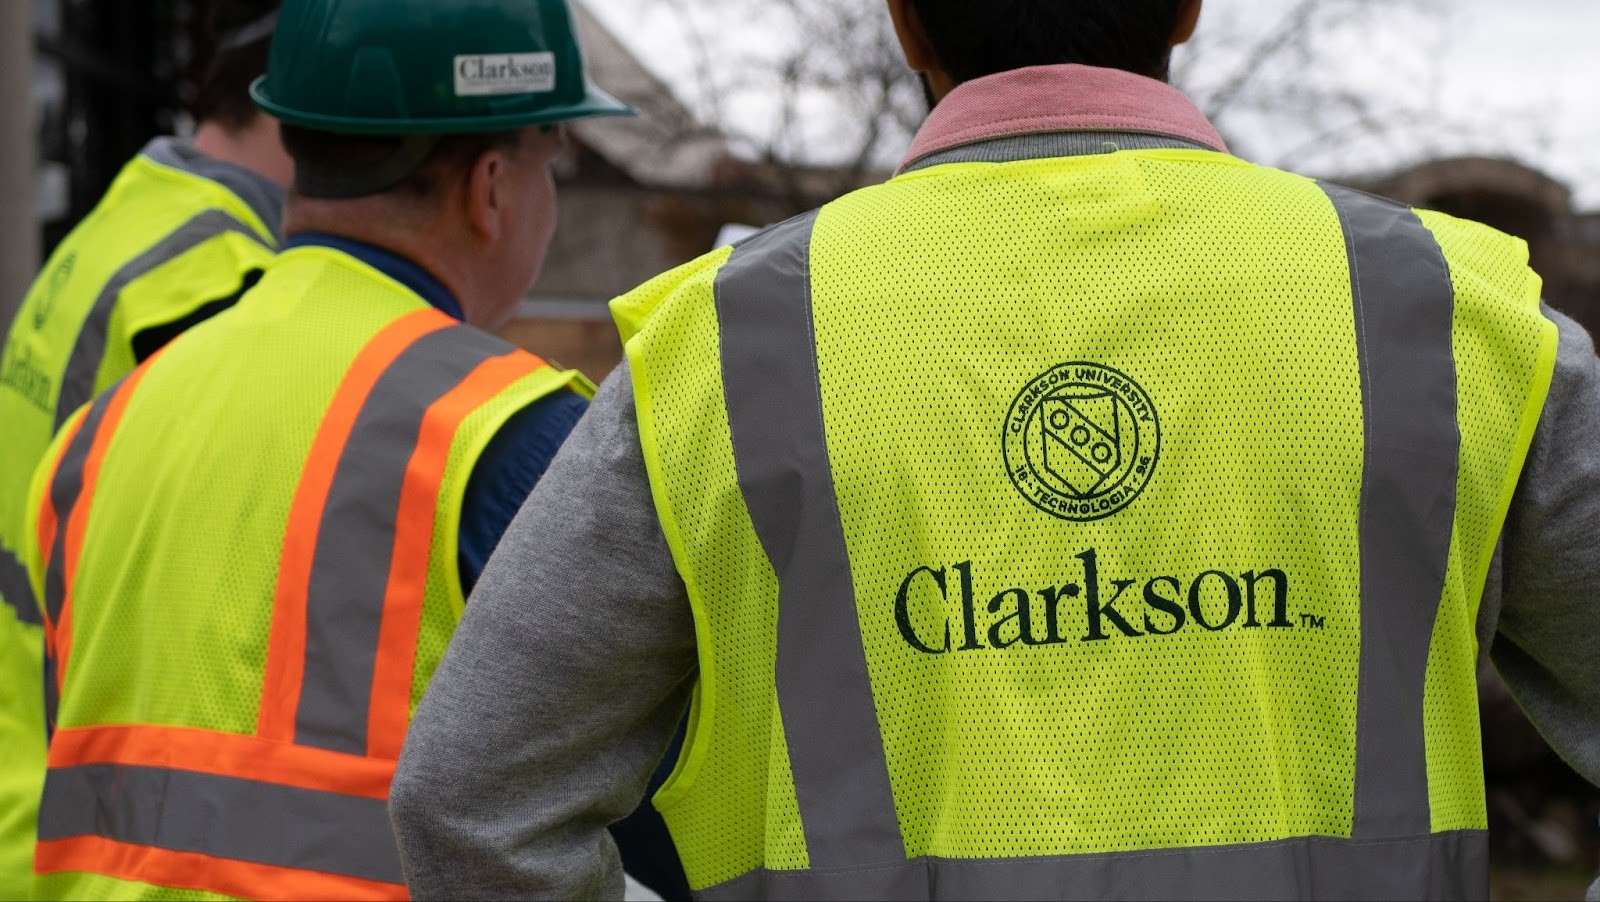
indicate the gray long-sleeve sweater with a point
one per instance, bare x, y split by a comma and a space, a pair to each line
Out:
576, 657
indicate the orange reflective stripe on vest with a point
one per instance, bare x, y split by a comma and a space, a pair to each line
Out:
162, 804
390, 710
356, 593
280, 691
48, 521
207, 751
48, 518
129, 861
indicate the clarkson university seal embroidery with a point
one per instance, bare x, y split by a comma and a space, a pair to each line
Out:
1081, 441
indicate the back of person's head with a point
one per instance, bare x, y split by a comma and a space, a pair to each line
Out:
417, 170
974, 40
232, 39
430, 128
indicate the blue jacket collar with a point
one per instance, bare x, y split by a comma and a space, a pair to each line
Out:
390, 264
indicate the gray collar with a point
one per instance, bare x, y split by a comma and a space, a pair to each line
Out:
258, 192
1045, 145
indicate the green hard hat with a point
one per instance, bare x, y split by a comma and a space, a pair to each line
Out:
396, 67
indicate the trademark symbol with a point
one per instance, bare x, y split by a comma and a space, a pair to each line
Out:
1312, 621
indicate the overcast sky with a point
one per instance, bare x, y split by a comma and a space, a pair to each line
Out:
1518, 79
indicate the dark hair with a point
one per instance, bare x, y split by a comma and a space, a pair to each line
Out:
974, 39
231, 40
224, 93
340, 165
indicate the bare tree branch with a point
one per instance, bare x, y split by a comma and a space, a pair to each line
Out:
817, 91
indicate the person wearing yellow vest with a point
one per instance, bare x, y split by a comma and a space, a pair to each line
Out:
183, 229
1085, 512
250, 552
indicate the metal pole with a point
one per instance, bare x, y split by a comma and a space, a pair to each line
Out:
19, 228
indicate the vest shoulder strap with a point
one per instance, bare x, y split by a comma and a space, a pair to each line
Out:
205, 229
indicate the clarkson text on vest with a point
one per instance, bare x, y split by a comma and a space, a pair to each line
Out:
1111, 608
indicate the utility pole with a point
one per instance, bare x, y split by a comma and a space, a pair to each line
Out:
19, 229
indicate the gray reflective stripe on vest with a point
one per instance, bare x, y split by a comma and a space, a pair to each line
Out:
262, 195
65, 490
1404, 310
769, 367
77, 384
223, 817
52, 693
16, 589
355, 540
1442, 866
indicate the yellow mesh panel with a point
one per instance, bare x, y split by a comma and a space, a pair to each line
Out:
785, 836
1504, 349
730, 804
170, 627
938, 298
77, 885
22, 749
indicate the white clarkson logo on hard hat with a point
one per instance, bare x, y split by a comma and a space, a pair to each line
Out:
505, 73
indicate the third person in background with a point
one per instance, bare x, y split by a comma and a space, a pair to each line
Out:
185, 228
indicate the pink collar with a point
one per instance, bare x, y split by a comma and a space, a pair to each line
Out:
1066, 98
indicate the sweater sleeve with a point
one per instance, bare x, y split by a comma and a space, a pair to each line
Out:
1547, 645
562, 688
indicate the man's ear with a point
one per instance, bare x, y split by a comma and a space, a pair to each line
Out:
913, 37
485, 194
1188, 20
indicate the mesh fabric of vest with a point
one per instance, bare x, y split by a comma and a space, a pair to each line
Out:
1223, 290
172, 629
22, 750
1498, 353
145, 203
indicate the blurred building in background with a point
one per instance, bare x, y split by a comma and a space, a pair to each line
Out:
1564, 244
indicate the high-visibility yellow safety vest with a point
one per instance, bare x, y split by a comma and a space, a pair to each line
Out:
247, 552
168, 243
1095, 526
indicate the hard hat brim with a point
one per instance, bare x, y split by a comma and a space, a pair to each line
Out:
595, 103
